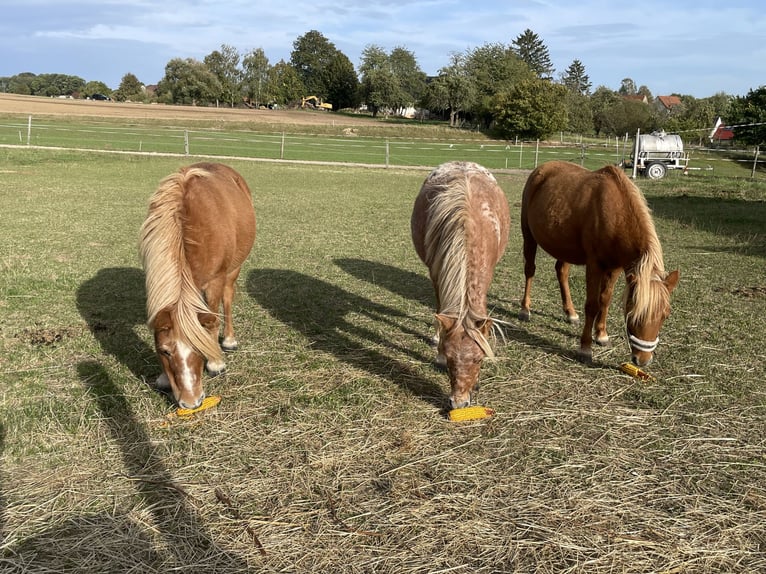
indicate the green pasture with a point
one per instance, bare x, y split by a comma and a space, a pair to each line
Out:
385, 144
330, 451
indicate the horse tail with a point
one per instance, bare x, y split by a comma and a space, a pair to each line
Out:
169, 281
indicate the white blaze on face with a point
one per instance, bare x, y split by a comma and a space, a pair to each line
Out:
185, 380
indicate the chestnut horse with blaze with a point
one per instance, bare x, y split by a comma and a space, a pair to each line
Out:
599, 219
199, 230
460, 224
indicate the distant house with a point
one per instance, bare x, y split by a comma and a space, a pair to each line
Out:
721, 133
668, 103
637, 98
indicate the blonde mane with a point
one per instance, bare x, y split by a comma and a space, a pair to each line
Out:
169, 283
649, 295
446, 255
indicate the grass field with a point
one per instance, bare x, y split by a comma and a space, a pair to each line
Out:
330, 451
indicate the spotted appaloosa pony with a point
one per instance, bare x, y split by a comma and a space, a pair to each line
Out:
460, 225
199, 230
599, 219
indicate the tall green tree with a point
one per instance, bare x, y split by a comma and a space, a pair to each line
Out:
188, 81
493, 68
627, 87
378, 84
56, 85
284, 86
452, 91
224, 65
575, 79
749, 114
410, 77
255, 77
343, 86
311, 57
530, 48
130, 89
532, 109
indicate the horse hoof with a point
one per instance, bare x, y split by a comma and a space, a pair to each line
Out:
603, 341
573, 319
524, 315
585, 356
215, 368
229, 347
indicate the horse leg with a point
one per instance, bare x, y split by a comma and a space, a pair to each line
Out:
562, 274
592, 291
229, 342
213, 292
530, 251
608, 281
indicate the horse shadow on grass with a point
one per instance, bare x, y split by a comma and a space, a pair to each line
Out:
113, 304
418, 288
176, 539
320, 311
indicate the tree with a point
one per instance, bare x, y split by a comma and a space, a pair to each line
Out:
393, 82
94, 87
130, 89
56, 85
627, 87
411, 79
748, 113
575, 79
493, 68
255, 77
343, 86
601, 103
284, 86
311, 57
579, 113
532, 109
224, 66
530, 48
452, 90
378, 85
188, 81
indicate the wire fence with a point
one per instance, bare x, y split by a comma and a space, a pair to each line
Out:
348, 147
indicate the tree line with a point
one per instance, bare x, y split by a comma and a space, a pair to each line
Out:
509, 91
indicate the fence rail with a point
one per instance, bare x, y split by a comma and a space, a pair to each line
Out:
350, 148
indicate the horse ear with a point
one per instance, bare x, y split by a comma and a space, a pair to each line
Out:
446, 322
208, 320
163, 321
671, 281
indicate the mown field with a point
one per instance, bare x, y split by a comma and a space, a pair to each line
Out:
330, 451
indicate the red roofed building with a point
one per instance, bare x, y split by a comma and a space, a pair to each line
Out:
668, 103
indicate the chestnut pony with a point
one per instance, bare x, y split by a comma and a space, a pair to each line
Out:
460, 225
601, 220
199, 230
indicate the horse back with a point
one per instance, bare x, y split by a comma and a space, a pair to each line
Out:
572, 212
218, 218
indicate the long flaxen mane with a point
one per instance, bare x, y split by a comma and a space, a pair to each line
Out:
649, 295
169, 282
447, 255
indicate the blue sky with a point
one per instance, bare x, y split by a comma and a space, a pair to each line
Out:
695, 47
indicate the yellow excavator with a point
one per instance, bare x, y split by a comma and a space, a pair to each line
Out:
316, 103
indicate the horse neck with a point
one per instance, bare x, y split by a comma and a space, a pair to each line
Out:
169, 280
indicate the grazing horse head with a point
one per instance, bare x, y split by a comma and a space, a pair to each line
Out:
198, 232
182, 361
463, 346
646, 307
460, 225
